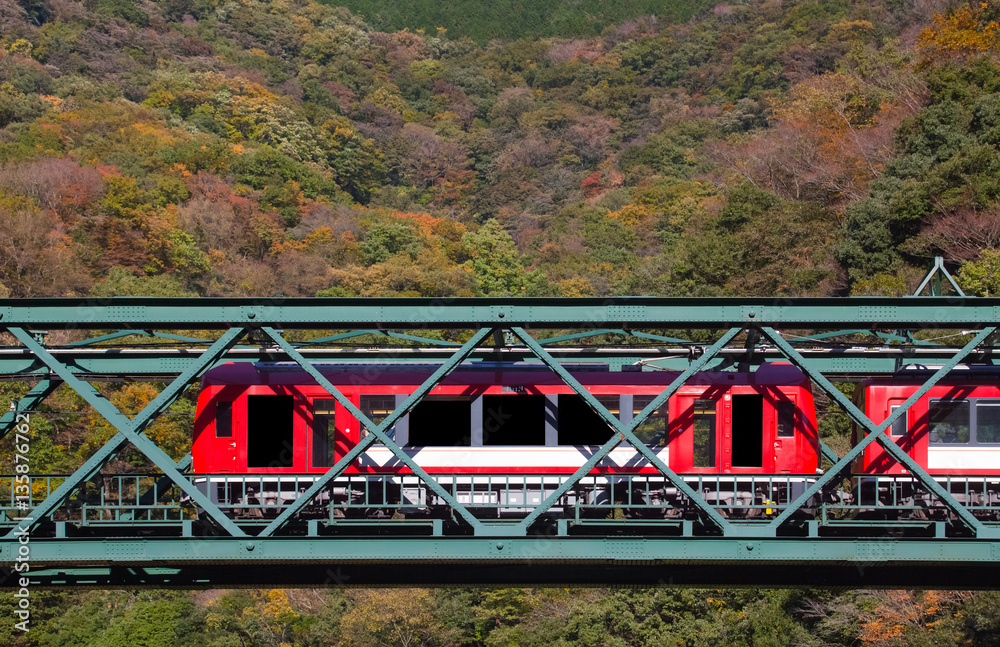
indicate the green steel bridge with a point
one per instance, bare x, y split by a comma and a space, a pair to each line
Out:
102, 528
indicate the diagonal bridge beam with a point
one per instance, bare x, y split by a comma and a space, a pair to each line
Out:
875, 432
128, 430
35, 396
626, 432
378, 432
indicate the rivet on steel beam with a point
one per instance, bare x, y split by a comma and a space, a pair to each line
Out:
500, 315
250, 545
251, 315
499, 545
751, 314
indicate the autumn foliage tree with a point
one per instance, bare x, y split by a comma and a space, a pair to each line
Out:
391, 618
969, 30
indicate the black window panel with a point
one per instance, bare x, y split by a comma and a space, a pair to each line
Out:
748, 431
579, 424
223, 419
786, 419
269, 431
441, 423
323, 428
514, 420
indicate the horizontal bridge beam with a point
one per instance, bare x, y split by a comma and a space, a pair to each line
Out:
81, 551
872, 575
578, 313
538, 559
112, 363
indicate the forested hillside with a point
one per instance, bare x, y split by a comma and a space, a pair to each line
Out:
194, 147
507, 618
483, 21
292, 148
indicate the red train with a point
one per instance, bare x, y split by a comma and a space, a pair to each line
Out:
952, 431
720, 429
274, 418
264, 430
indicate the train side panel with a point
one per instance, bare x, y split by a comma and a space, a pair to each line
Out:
279, 421
954, 429
744, 429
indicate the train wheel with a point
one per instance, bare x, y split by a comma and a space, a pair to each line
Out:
640, 507
598, 505
914, 514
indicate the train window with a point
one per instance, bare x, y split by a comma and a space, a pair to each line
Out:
899, 424
580, 425
378, 408
322, 447
786, 418
704, 433
949, 422
748, 431
988, 421
441, 422
513, 420
223, 419
269, 431
653, 429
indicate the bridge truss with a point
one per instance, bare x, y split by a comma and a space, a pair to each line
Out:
99, 528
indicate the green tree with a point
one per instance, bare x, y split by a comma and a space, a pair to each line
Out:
16, 106
496, 263
384, 240
981, 277
121, 282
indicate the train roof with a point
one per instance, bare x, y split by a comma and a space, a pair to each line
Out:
290, 373
917, 374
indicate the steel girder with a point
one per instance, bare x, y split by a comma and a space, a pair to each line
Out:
116, 363
128, 431
874, 433
81, 558
582, 313
626, 432
538, 560
937, 271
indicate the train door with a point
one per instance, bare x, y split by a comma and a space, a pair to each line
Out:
899, 431
694, 433
789, 443
747, 432
223, 443
878, 407
270, 427
329, 432
730, 432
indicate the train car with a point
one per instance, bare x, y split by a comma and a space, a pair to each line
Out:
952, 431
492, 419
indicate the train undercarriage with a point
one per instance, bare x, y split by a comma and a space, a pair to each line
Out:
507, 497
